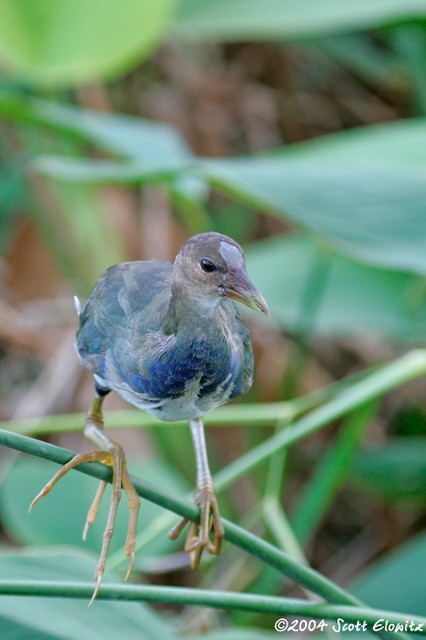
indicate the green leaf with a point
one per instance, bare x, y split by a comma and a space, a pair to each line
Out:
377, 216
92, 172
286, 19
363, 191
154, 143
398, 145
357, 299
397, 582
360, 192
67, 619
73, 41
60, 516
396, 470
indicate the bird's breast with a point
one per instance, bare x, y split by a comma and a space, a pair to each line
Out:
181, 375
176, 377
196, 365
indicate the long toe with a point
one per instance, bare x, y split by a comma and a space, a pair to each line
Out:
114, 458
208, 534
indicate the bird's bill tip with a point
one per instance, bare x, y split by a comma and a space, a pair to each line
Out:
255, 301
240, 288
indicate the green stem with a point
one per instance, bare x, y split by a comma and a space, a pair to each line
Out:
204, 597
389, 377
270, 555
310, 305
276, 467
244, 539
330, 473
376, 384
280, 528
247, 414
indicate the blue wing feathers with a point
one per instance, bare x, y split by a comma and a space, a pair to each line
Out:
121, 338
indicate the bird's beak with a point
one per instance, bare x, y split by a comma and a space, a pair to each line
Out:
239, 287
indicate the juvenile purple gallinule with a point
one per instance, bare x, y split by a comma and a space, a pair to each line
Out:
169, 339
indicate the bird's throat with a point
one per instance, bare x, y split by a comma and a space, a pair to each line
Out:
187, 310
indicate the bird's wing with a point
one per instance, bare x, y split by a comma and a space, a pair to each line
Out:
128, 294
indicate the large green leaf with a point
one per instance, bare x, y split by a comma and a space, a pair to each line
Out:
397, 582
286, 19
396, 145
67, 619
96, 172
357, 299
74, 41
362, 191
377, 215
152, 143
395, 470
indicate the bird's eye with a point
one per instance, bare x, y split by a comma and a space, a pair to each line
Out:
207, 265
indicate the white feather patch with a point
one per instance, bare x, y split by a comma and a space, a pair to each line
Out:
77, 305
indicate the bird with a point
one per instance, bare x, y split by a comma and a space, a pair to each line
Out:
169, 339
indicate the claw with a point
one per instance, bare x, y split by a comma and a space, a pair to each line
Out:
199, 536
130, 567
115, 458
93, 510
96, 590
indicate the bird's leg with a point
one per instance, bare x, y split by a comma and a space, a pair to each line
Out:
113, 455
205, 498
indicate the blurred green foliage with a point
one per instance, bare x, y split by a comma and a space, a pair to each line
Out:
73, 41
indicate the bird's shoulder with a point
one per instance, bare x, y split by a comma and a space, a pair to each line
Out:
125, 289
126, 294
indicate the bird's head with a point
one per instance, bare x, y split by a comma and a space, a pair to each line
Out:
212, 266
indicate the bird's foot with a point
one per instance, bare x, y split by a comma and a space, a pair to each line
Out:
199, 535
115, 458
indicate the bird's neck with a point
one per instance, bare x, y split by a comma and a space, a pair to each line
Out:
187, 310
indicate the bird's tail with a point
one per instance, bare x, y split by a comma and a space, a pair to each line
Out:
77, 305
